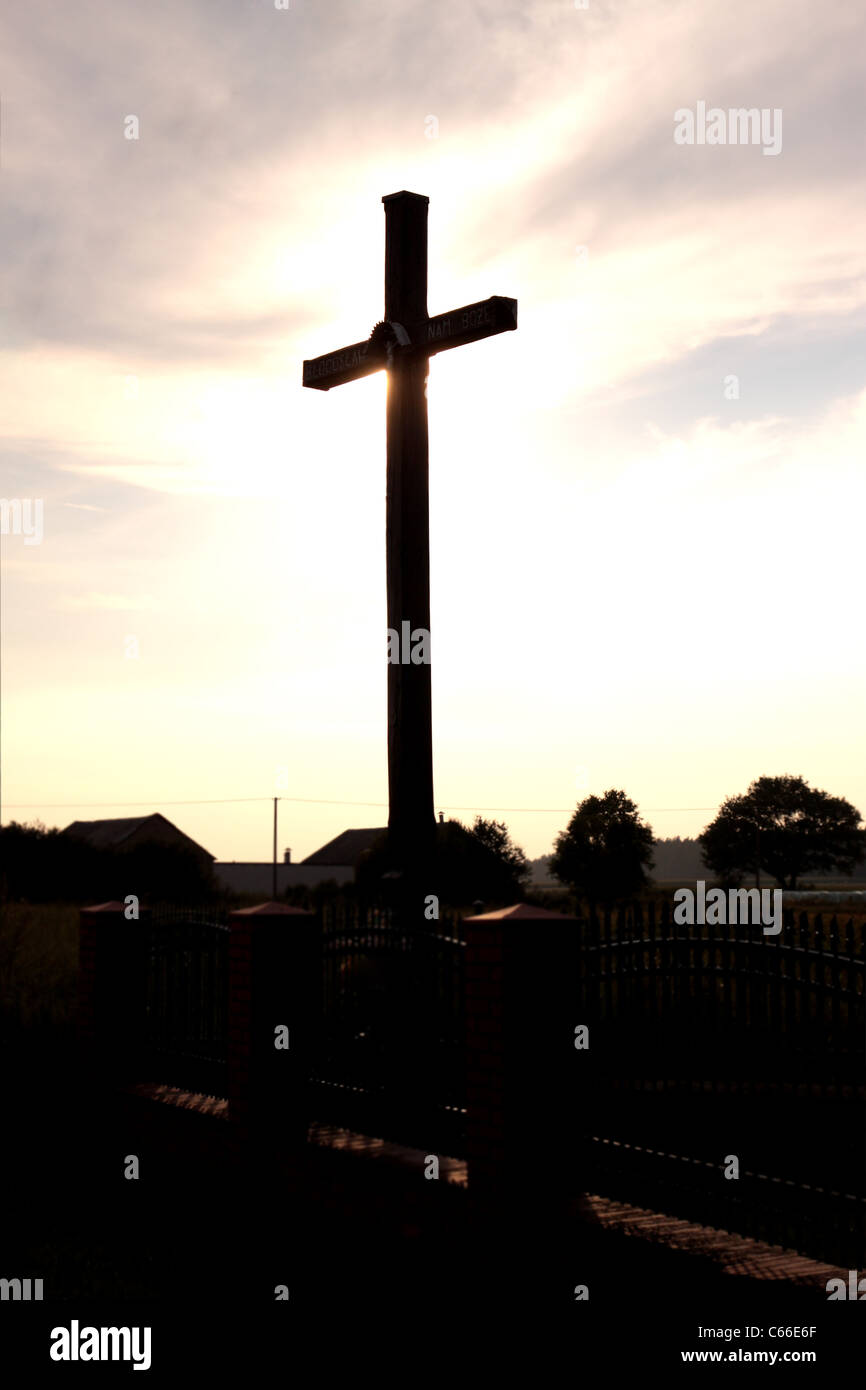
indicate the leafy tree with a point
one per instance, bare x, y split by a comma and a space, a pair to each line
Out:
604, 852
513, 868
168, 872
786, 828
481, 863
40, 865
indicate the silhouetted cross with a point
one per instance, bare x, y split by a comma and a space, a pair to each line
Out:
403, 344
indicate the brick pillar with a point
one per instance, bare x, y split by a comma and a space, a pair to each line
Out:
106, 981
274, 979
520, 1019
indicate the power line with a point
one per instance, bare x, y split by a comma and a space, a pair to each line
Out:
78, 805
318, 801
566, 810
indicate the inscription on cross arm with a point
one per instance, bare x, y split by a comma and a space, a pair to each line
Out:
432, 335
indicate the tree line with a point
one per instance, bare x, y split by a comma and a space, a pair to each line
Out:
781, 828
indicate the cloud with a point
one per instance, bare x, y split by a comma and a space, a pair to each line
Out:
243, 230
159, 295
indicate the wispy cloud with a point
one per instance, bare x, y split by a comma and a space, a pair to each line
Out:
159, 295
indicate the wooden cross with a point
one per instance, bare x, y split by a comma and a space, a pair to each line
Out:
403, 344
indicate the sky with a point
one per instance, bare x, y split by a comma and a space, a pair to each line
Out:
646, 504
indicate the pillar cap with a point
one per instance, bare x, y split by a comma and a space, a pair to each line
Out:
271, 909
521, 912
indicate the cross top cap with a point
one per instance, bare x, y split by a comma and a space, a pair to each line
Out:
408, 332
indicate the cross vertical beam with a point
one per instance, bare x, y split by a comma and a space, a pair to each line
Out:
402, 344
410, 743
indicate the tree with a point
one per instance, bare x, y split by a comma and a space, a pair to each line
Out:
40, 865
171, 872
507, 867
466, 864
785, 827
606, 849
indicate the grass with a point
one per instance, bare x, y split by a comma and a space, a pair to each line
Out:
38, 965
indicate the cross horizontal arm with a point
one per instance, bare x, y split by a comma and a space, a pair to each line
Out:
467, 325
464, 325
347, 364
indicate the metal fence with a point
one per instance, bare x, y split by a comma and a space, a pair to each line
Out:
391, 1053
389, 1050
790, 1005
705, 1044
711, 1043
181, 973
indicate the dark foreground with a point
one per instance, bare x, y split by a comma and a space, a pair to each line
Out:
197, 1246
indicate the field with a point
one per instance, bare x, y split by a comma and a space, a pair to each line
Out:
38, 966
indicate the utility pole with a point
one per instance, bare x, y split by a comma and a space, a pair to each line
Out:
274, 883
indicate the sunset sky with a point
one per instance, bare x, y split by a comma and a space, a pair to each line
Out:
643, 575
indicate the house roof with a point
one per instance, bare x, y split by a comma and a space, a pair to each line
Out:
346, 848
104, 834
110, 834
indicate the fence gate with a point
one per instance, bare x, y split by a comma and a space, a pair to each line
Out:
181, 978
391, 1055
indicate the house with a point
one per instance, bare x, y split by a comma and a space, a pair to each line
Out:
334, 862
346, 848
252, 877
131, 831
